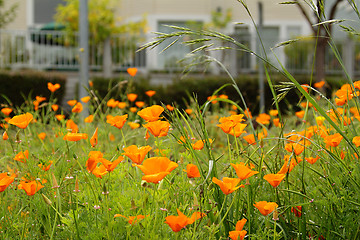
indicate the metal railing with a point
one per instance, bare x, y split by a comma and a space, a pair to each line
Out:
45, 50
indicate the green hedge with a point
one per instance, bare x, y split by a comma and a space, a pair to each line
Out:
24, 84
204, 86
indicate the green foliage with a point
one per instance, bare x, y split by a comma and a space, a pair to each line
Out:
7, 15
18, 86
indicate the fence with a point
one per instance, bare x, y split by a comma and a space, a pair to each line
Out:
53, 50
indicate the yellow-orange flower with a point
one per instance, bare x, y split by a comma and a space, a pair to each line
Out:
356, 141
132, 71
21, 121
300, 114
5, 136
228, 185
53, 87
176, 223
265, 207
93, 160
151, 113
319, 84
156, 168
71, 102
73, 137
169, 107
100, 171
22, 156
243, 172
137, 155
110, 166
131, 219
133, 125
133, 109
45, 167
85, 99
77, 108
89, 119
192, 171
297, 148
54, 107
333, 140
273, 112
312, 160
112, 103
6, 111
132, 97
274, 179
121, 105
140, 104
117, 121
42, 135
150, 93
94, 138
263, 118
238, 233
6, 180
70, 124
30, 187
188, 111
158, 128
60, 117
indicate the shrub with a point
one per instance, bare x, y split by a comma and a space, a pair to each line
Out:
19, 85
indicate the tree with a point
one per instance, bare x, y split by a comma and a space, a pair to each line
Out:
102, 23
321, 27
6, 16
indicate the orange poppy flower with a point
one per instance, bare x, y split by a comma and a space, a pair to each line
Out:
150, 93
77, 108
53, 87
238, 129
228, 185
333, 140
131, 219
137, 155
300, 114
250, 139
243, 172
133, 125
223, 96
6, 180
42, 135
263, 118
6, 111
156, 168
132, 71
188, 111
91, 84
60, 117
111, 137
356, 141
40, 99
70, 124
5, 136
192, 171
112, 103
176, 223
274, 179
248, 114
71, 102
85, 99
74, 137
117, 121
265, 207
100, 171
89, 119
121, 105
305, 87
140, 104
297, 211
211, 99
21, 121
319, 84
45, 167
133, 109
93, 160
54, 107
22, 156
110, 166
312, 160
276, 122
152, 113
170, 108
132, 97
30, 187
297, 148
94, 138
158, 128
238, 233
273, 112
